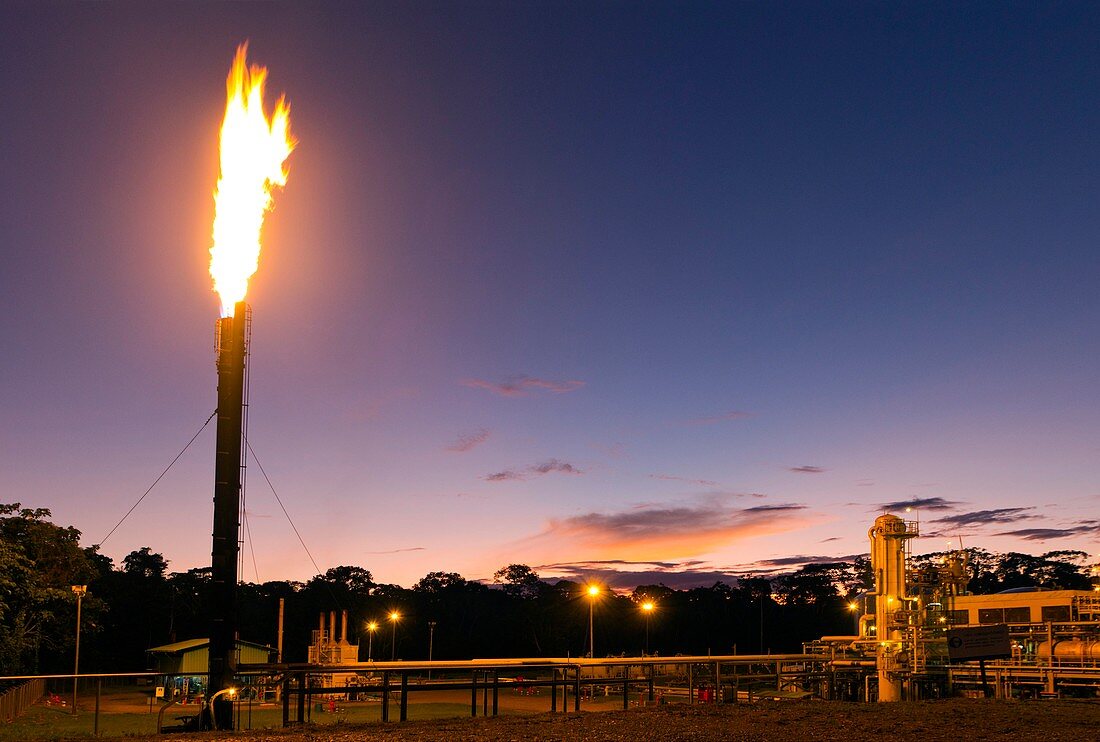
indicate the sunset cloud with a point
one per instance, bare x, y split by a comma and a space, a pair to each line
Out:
524, 386
468, 441
534, 470
1050, 534
923, 503
621, 575
987, 517
724, 417
797, 561
689, 480
807, 469
650, 531
503, 476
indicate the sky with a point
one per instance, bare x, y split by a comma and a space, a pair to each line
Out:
648, 292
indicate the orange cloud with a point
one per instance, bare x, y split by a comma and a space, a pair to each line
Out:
671, 532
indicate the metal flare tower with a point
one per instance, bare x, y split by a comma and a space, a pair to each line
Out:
229, 461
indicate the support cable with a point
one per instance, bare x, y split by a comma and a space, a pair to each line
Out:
291, 521
251, 548
154, 484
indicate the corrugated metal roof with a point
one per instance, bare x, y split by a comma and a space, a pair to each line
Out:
189, 644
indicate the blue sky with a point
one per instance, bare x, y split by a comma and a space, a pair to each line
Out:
688, 284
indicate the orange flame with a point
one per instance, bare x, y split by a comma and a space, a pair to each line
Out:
253, 150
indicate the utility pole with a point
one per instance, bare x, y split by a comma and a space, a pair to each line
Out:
282, 605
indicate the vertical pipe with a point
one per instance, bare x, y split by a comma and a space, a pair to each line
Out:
301, 697
343, 625
404, 697
98, 693
652, 672
691, 685
332, 626
473, 693
554, 689
225, 547
626, 688
577, 689
386, 696
286, 700
496, 692
717, 682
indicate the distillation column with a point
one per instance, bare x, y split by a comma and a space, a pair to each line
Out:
888, 541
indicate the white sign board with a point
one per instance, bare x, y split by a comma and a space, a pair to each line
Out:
979, 643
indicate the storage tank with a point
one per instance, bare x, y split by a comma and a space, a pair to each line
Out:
1074, 650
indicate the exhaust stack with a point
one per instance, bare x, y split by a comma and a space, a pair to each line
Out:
232, 351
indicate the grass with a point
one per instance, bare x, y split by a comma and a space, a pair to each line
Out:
49, 723
44, 723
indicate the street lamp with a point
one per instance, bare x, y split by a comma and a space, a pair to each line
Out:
647, 610
394, 617
431, 641
593, 593
854, 608
372, 626
80, 591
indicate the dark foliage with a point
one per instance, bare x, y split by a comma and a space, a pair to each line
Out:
140, 604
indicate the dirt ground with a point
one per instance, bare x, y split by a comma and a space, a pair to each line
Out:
957, 720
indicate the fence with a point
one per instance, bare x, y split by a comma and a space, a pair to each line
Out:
14, 701
268, 696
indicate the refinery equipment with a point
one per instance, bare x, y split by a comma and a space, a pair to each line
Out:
901, 649
332, 649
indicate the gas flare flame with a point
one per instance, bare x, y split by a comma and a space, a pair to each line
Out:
253, 150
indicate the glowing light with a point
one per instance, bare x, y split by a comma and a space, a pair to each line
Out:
853, 606
648, 606
253, 150
593, 590
394, 615
372, 626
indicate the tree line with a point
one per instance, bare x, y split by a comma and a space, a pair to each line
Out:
139, 604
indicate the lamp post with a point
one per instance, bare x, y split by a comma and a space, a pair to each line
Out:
647, 610
80, 591
372, 627
431, 641
854, 608
593, 593
394, 616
